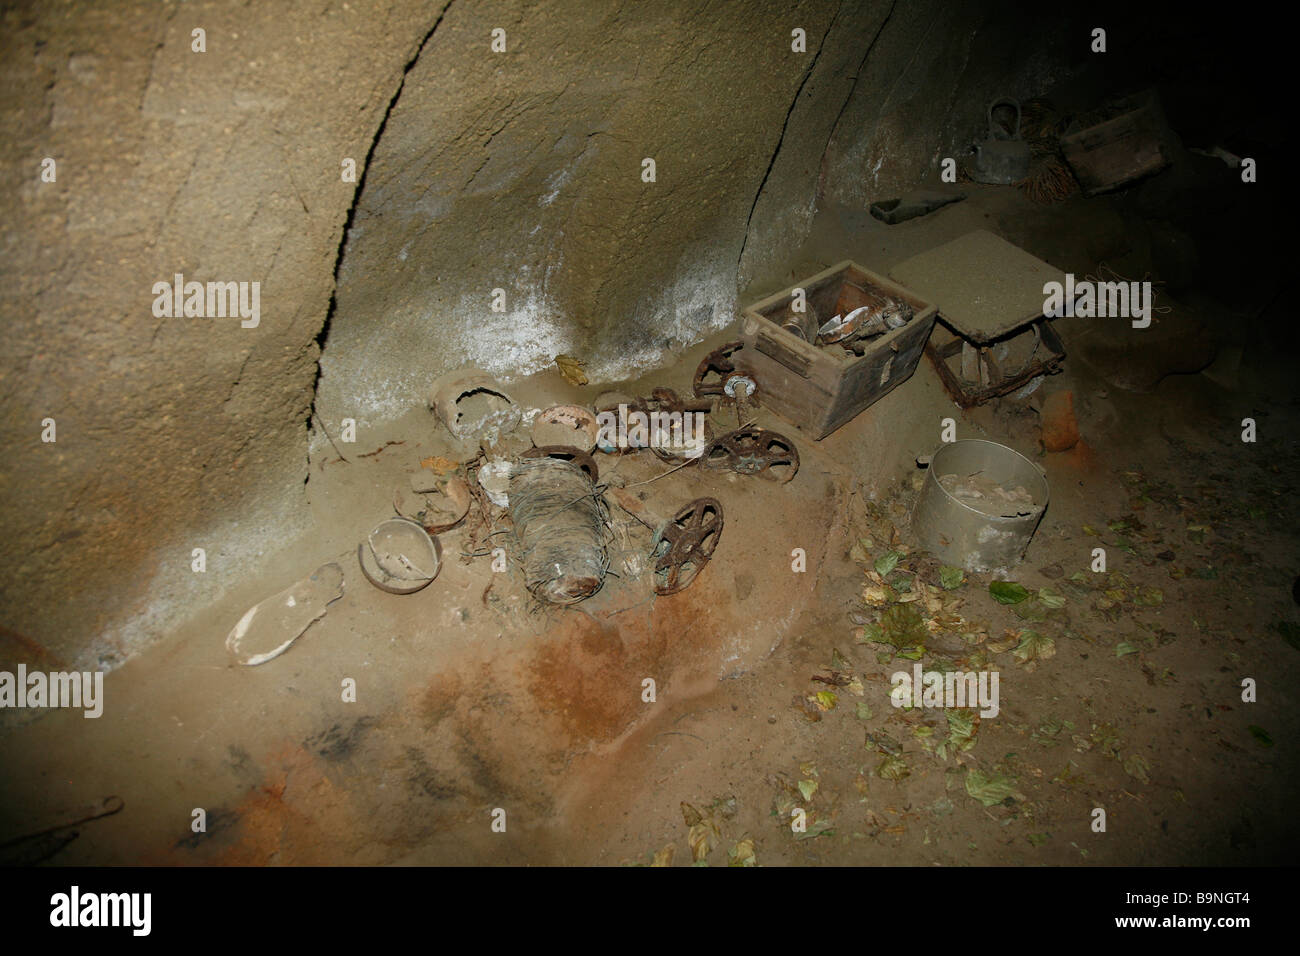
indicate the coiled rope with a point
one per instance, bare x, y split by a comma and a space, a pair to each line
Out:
561, 530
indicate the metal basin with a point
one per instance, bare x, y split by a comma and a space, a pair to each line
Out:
987, 523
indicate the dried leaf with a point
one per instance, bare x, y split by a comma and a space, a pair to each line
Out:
887, 562
950, 577
724, 807
1034, 647
930, 597
1030, 611
884, 743
701, 841
876, 595
807, 788
808, 707
992, 788
1050, 729
742, 854
1050, 598
871, 634
665, 856
902, 626
571, 369
1136, 767
1106, 738
962, 726
893, 768
439, 464
816, 828
1149, 597
1010, 640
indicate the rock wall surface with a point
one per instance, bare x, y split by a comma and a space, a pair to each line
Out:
223, 165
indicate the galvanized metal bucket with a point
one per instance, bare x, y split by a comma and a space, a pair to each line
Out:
965, 536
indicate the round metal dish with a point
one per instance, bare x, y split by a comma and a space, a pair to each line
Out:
399, 556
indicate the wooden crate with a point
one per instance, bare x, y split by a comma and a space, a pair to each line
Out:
821, 388
1127, 146
945, 350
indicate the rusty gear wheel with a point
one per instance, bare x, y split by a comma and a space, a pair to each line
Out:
753, 451
712, 372
684, 545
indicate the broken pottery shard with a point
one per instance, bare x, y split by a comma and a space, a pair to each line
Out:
571, 425
403, 551
269, 628
473, 406
1060, 428
448, 508
494, 476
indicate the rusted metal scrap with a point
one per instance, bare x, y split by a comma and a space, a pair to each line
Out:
753, 451
683, 544
575, 456
712, 372
878, 314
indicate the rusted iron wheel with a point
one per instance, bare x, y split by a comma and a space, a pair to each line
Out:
753, 451
684, 545
712, 372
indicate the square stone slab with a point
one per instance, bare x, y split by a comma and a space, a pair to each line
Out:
985, 287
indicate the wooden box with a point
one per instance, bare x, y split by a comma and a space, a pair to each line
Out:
1125, 146
945, 352
820, 388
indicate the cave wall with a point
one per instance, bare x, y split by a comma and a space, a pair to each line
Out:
171, 433
519, 170
523, 171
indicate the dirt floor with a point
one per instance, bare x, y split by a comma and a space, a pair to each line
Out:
1119, 690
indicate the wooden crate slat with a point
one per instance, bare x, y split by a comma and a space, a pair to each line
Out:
820, 389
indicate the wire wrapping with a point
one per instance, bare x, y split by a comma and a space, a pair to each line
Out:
561, 530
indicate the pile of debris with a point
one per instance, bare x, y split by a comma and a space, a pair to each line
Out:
525, 489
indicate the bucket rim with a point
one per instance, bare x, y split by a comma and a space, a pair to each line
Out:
1042, 477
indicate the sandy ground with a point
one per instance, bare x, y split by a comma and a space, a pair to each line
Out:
470, 701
